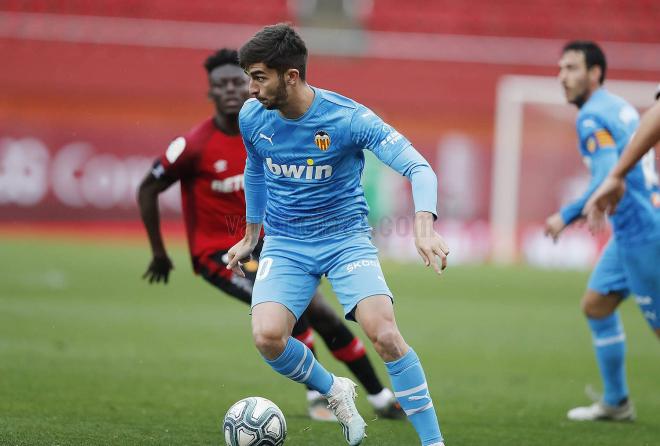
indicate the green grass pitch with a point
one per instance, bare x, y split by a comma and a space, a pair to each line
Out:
92, 355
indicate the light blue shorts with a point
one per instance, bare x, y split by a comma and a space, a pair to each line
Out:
642, 266
609, 275
290, 270
631, 269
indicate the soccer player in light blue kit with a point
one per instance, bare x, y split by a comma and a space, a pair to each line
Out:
629, 262
302, 181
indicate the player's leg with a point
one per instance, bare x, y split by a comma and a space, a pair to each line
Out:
213, 270
606, 289
317, 406
348, 348
376, 316
358, 281
284, 285
641, 264
282, 290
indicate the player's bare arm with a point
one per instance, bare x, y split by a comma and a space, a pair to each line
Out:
160, 266
242, 250
430, 245
607, 196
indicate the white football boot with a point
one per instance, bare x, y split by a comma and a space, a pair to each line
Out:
341, 399
600, 411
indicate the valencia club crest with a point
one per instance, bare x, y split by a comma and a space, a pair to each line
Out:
322, 140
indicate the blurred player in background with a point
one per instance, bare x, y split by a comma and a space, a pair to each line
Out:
629, 262
209, 162
302, 180
609, 193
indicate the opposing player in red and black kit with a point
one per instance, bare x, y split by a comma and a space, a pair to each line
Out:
209, 162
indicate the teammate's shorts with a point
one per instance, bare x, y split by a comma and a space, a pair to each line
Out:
631, 269
642, 266
290, 270
609, 276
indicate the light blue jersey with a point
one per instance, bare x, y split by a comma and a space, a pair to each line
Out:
302, 176
302, 180
605, 124
628, 263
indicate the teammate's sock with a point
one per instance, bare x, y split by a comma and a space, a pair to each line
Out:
350, 350
610, 345
411, 390
307, 338
298, 363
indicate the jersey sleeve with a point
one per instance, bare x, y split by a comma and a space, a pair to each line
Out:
254, 181
368, 131
598, 148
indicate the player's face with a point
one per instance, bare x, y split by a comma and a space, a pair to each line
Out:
574, 77
268, 86
228, 89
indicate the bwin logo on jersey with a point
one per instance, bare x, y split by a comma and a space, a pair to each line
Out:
308, 172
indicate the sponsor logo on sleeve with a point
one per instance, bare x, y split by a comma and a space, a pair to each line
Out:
175, 149
604, 138
591, 144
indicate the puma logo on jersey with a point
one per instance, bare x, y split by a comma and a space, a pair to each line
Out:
230, 184
267, 138
308, 172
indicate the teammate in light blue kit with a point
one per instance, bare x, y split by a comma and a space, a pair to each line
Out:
302, 181
629, 262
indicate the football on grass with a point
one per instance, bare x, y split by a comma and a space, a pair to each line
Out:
254, 421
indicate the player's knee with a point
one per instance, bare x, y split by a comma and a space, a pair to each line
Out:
269, 342
596, 306
388, 342
657, 332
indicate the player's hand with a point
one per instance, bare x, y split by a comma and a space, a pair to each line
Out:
240, 253
159, 269
604, 201
430, 245
553, 226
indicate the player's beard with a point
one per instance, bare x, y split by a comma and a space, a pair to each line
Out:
281, 96
580, 96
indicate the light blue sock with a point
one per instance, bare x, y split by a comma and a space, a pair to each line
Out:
298, 363
410, 389
610, 346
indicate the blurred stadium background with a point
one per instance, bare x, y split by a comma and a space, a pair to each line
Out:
92, 91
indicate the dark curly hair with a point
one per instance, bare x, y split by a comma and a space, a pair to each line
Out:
224, 56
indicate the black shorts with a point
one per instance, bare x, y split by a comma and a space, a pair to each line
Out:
213, 269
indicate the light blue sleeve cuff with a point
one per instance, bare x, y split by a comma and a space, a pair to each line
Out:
411, 164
